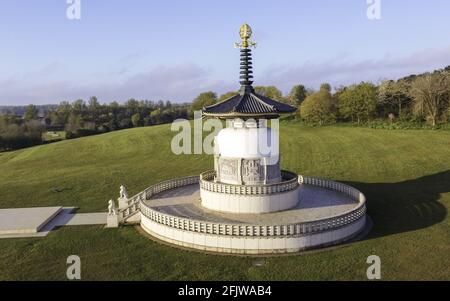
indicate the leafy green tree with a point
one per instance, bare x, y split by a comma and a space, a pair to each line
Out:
155, 116
125, 123
326, 87
79, 105
135, 119
203, 100
132, 106
393, 95
147, 121
31, 113
34, 130
271, 92
297, 95
168, 104
61, 115
94, 111
319, 107
14, 135
358, 102
93, 103
431, 93
6, 120
73, 123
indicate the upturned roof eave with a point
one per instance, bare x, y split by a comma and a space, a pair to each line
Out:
233, 107
231, 115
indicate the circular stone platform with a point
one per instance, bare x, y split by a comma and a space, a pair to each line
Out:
327, 213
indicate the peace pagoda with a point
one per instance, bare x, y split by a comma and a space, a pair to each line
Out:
247, 204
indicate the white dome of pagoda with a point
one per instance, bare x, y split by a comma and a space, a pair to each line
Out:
247, 143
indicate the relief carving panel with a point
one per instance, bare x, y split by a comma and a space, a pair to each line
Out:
252, 171
228, 169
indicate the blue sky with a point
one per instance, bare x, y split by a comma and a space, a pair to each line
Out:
175, 49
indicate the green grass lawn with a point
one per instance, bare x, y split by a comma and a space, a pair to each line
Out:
404, 174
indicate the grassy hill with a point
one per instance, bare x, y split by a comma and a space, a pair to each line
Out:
404, 174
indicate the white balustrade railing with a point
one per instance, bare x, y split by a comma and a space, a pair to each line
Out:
302, 228
290, 183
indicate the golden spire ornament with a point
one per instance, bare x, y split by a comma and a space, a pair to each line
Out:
245, 32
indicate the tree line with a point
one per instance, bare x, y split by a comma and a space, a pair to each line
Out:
423, 98
80, 118
17, 133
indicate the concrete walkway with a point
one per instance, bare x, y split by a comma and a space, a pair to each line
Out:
67, 218
26, 220
38, 222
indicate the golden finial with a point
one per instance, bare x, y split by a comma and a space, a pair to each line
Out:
245, 32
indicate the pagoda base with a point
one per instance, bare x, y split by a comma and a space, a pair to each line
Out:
249, 198
327, 213
251, 245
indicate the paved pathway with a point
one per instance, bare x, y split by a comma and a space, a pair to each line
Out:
38, 222
26, 220
67, 218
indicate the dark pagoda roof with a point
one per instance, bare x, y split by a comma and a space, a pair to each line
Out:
248, 104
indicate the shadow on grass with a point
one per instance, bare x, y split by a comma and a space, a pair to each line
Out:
405, 206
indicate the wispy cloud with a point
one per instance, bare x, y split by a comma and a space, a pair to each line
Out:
342, 71
127, 62
181, 83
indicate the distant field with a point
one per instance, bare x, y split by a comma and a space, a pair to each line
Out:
404, 174
58, 135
